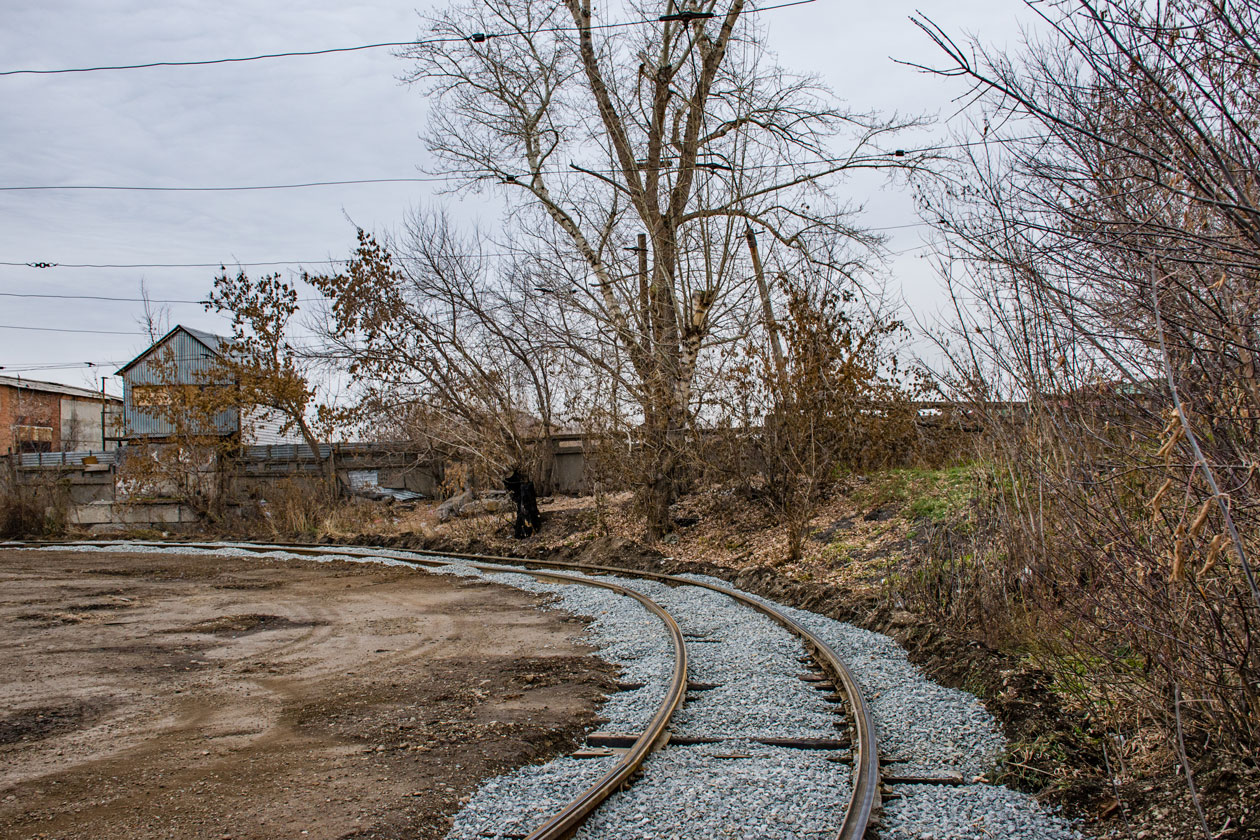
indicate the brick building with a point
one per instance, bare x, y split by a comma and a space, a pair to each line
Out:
40, 416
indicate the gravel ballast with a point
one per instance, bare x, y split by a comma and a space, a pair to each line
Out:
928, 729
732, 789
514, 804
736, 788
751, 660
941, 812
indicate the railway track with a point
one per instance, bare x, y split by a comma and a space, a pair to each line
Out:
633, 750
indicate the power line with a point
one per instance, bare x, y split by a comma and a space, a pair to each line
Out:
40, 295
220, 264
205, 62
66, 330
473, 38
98, 297
245, 188
5, 369
23, 368
430, 179
223, 264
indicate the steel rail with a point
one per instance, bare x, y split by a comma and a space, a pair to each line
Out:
865, 800
565, 822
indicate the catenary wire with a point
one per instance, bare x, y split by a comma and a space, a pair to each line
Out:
68, 330
219, 264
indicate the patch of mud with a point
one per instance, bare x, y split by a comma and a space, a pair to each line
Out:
93, 606
249, 586
244, 625
53, 619
26, 725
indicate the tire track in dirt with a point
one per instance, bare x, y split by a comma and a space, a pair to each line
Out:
335, 699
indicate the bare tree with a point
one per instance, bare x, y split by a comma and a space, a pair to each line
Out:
267, 372
680, 128
441, 343
156, 320
1103, 249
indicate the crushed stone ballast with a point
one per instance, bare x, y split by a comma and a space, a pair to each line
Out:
759, 747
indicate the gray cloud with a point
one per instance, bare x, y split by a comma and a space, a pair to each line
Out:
300, 119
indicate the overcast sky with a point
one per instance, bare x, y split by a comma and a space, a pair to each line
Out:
331, 117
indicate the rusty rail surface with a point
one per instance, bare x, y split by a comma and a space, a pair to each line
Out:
865, 800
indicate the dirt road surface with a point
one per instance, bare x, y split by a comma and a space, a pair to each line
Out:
160, 696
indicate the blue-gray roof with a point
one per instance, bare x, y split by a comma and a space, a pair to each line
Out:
210, 341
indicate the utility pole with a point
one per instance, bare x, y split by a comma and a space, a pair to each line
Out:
102, 413
641, 242
767, 308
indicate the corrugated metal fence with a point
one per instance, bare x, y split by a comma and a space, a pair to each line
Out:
66, 459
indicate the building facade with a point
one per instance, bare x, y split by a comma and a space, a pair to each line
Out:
37, 416
186, 358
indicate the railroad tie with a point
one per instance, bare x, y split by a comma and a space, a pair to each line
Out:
621, 740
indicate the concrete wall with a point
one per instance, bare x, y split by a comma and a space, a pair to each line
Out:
395, 467
89, 495
81, 424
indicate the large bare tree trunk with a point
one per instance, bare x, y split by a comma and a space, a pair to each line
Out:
678, 134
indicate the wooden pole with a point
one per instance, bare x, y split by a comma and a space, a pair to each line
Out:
643, 276
767, 307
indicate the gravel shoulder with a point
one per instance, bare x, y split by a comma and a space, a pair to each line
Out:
157, 695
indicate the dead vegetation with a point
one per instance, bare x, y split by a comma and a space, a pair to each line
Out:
1084, 512
1106, 243
31, 506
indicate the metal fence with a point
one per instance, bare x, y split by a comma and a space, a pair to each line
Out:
66, 459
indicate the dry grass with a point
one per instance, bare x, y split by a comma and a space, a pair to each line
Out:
33, 507
859, 536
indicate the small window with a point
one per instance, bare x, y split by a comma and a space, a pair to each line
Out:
33, 438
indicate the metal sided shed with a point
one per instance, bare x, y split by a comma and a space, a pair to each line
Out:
183, 358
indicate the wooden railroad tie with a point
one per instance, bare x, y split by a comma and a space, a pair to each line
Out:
622, 740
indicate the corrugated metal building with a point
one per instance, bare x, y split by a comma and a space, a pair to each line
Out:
185, 358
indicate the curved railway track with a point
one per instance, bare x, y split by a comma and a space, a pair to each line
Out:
564, 823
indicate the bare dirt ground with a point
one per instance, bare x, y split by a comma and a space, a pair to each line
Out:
156, 696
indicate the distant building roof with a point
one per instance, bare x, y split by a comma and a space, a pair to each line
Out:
54, 388
210, 341
214, 342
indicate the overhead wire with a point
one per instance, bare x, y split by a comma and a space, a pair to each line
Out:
41, 264
67, 330
24, 368
98, 297
476, 38
428, 179
219, 264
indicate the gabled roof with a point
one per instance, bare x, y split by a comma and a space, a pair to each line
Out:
210, 341
55, 388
